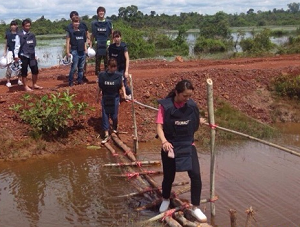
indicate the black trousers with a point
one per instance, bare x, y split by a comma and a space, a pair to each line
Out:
169, 176
98, 63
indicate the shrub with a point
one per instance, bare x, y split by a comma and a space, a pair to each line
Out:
260, 43
209, 45
287, 86
50, 114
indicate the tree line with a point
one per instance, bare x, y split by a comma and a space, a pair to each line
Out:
144, 34
133, 17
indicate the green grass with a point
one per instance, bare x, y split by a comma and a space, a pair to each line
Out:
230, 118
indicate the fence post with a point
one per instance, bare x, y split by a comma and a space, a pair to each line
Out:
210, 105
135, 138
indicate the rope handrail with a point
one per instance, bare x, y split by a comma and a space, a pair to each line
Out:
236, 132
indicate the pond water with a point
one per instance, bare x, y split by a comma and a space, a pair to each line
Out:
74, 189
50, 52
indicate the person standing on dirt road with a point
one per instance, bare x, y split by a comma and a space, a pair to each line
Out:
177, 120
9, 48
76, 46
102, 29
25, 50
119, 51
110, 82
82, 26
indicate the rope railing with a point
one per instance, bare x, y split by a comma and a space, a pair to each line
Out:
235, 132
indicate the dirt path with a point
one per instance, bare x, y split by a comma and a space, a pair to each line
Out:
244, 83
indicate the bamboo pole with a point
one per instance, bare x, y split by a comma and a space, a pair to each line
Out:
210, 105
259, 140
161, 215
138, 163
135, 174
135, 139
150, 190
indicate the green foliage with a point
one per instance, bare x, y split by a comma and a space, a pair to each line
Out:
291, 47
287, 85
259, 43
138, 47
216, 26
278, 33
231, 118
179, 45
50, 114
209, 45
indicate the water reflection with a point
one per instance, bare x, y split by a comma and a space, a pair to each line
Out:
73, 189
69, 190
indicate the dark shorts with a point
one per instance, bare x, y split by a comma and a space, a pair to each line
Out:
33, 66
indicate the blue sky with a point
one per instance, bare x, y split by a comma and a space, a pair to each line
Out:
57, 9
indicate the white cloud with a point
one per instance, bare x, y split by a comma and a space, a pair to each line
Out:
57, 9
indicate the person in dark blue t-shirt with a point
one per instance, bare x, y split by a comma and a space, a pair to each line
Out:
119, 51
102, 29
110, 82
82, 26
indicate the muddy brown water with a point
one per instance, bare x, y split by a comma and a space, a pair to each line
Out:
74, 189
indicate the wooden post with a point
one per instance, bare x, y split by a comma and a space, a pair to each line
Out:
210, 105
233, 217
135, 139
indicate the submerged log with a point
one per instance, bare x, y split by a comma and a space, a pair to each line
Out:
122, 145
149, 205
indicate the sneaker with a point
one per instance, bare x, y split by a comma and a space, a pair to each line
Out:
105, 139
164, 206
8, 84
198, 214
115, 131
20, 83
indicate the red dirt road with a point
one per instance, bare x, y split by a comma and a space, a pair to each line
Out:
244, 83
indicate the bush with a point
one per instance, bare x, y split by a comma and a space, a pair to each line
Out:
287, 86
209, 45
260, 43
50, 114
291, 47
